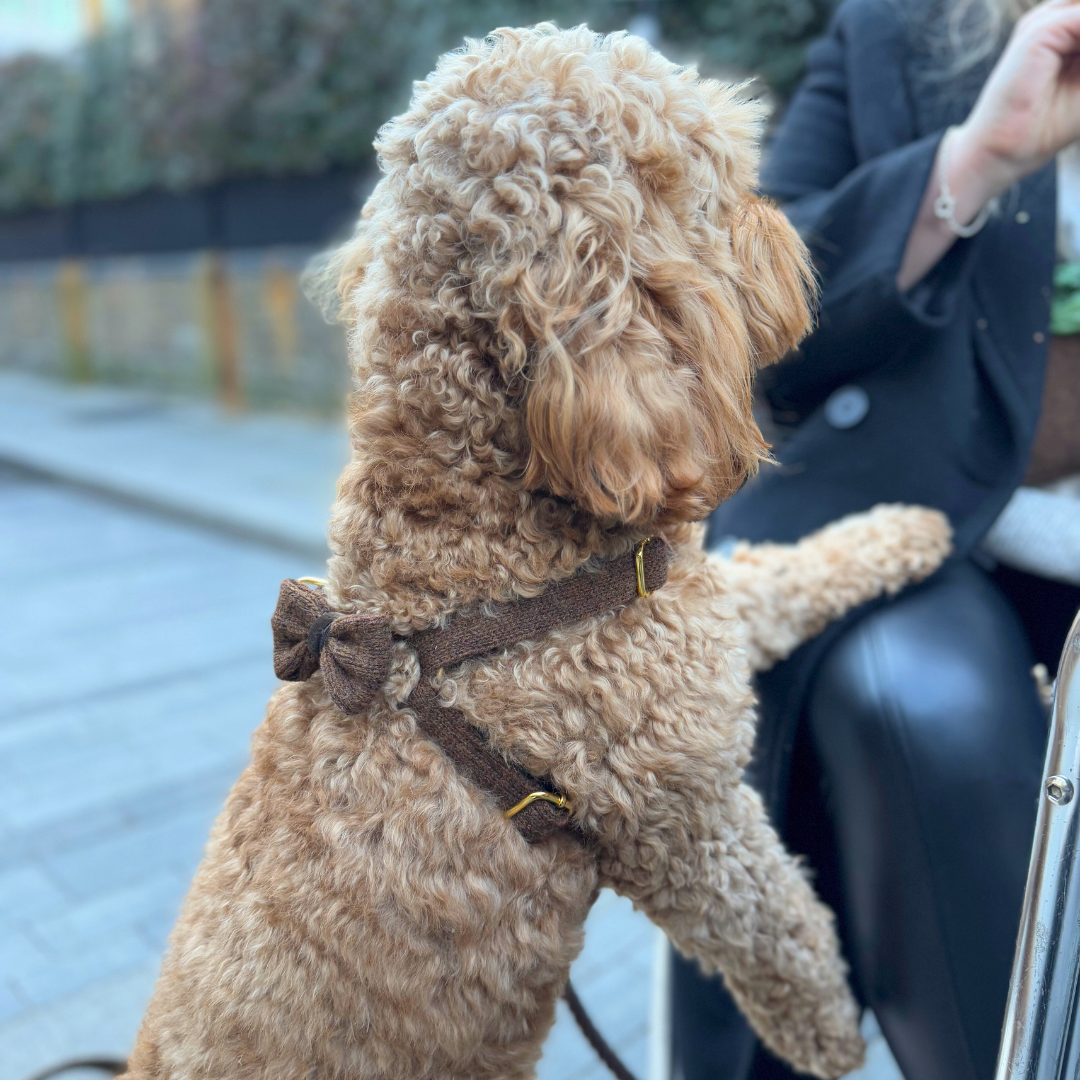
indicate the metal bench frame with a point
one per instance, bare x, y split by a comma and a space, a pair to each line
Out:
1040, 1040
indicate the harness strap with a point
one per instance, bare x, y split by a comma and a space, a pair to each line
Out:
579, 597
465, 745
354, 653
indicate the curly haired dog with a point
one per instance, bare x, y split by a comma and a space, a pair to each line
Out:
559, 292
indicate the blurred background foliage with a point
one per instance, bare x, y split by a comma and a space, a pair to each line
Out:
765, 39
284, 87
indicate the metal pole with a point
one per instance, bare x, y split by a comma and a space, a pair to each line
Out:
1038, 1041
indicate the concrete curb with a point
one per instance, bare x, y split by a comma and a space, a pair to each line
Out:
264, 479
276, 539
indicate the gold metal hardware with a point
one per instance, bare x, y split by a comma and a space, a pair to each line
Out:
1044, 685
314, 582
639, 565
561, 801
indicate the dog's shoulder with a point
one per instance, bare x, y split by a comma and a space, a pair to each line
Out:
668, 663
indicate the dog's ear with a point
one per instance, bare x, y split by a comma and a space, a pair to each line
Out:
777, 287
638, 388
608, 429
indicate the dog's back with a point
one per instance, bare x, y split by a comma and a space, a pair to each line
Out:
364, 911
361, 911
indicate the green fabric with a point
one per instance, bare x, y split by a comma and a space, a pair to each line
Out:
1065, 307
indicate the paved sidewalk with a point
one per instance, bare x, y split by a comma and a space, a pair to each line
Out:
268, 478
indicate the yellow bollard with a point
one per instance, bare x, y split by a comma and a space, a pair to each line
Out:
93, 13
280, 293
71, 297
220, 330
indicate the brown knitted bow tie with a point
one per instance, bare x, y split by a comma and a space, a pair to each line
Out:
353, 651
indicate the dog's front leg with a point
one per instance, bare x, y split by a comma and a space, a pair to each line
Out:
784, 594
721, 885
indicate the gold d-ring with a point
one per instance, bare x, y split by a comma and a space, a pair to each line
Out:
316, 582
561, 801
639, 565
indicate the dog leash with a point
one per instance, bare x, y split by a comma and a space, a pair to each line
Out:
593, 1036
116, 1066
113, 1066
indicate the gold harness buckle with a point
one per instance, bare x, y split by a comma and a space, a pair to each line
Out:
639, 566
560, 801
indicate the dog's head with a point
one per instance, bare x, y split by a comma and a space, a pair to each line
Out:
565, 280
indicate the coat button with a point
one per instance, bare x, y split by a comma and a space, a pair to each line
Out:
1022, 217
846, 407
1039, 337
982, 324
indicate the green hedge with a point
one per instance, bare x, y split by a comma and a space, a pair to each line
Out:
272, 87
766, 38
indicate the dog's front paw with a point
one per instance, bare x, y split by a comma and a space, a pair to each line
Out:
825, 1043
838, 1045
796, 995
897, 544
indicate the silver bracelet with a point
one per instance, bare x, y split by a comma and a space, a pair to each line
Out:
945, 203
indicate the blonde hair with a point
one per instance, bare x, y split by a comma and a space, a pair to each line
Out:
975, 29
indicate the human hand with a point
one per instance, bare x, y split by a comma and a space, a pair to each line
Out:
1029, 107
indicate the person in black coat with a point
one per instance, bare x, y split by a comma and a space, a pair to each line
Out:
902, 749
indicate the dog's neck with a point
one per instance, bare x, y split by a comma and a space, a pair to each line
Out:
419, 531
432, 515
413, 546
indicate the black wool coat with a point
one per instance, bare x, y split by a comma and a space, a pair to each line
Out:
929, 397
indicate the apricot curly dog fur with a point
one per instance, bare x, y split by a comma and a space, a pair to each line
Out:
558, 292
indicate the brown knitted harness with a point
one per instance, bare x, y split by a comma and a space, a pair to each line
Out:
354, 652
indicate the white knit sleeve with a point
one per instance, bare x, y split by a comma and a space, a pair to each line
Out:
1039, 532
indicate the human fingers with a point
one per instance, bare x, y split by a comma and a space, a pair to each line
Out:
1039, 11
1047, 17
1025, 112
1065, 20
1039, 48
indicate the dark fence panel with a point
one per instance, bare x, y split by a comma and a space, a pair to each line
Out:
250, 212
291, 210
154, 222
39, 234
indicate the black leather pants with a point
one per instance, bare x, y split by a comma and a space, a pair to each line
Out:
925, 739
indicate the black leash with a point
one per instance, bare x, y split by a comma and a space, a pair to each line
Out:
115, 1066
596, 1040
